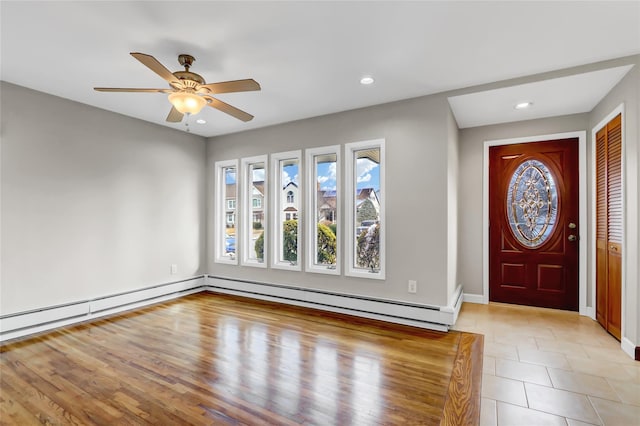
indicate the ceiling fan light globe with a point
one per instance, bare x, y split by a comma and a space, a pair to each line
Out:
187, 103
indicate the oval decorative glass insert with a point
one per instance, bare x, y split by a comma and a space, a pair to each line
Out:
532, 203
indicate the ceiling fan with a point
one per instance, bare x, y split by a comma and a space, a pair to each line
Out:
189, 93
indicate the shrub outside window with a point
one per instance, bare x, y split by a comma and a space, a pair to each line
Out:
254, 215
365, 228
286, 225
323, 207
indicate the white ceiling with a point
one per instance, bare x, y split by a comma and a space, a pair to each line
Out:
309, 56
548, 98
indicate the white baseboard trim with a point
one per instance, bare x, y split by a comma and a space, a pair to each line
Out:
588, 311
423, 316
22, 324
628, 347
475, 298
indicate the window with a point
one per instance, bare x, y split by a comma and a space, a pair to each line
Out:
365, 209
323, 205
286, 235
532, 203
226, 195
255, 189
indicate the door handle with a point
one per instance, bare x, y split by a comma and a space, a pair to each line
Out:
572, 238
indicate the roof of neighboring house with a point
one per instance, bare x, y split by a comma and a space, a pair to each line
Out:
329, 203
364, 193
290, 209
327, 199
290, 184
259, 186
230, 190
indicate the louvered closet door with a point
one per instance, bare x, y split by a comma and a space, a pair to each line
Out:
609, 226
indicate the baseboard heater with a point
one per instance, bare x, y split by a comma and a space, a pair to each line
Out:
432, 317
35, 321
21, 324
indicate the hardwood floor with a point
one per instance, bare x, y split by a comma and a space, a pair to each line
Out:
218, 359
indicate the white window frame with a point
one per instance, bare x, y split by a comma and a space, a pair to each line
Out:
247, 212
311, 198
276, 178
220, 212
350, 208
230, 202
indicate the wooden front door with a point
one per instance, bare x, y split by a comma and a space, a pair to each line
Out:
533, 230
609, 226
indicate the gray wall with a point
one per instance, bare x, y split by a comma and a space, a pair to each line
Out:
93, 203
471, 181
416, 133
453, 160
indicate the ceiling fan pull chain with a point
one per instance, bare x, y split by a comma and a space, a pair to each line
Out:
186, 121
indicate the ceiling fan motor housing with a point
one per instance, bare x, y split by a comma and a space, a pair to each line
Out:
188, 78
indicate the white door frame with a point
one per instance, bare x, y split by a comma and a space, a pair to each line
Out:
584, 233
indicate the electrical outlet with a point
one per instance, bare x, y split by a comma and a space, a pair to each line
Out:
413, 286
174, 269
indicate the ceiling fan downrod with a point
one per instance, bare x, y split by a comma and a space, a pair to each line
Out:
186, 61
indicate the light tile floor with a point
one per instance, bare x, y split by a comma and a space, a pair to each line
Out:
550, 367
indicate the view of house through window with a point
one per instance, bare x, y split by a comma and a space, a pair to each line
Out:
225, 211
255, 228
363, 227
288, 201
366, 217
229, 231
326, 209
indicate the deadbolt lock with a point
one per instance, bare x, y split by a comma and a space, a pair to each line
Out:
572, 225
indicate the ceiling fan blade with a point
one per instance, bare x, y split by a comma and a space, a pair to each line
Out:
232, 86
231, 110
155, 66
121, 89
174, 116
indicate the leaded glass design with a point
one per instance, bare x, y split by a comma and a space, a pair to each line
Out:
532, 203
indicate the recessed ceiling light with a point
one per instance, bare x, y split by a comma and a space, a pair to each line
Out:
201, 121
367, 80
523, 105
